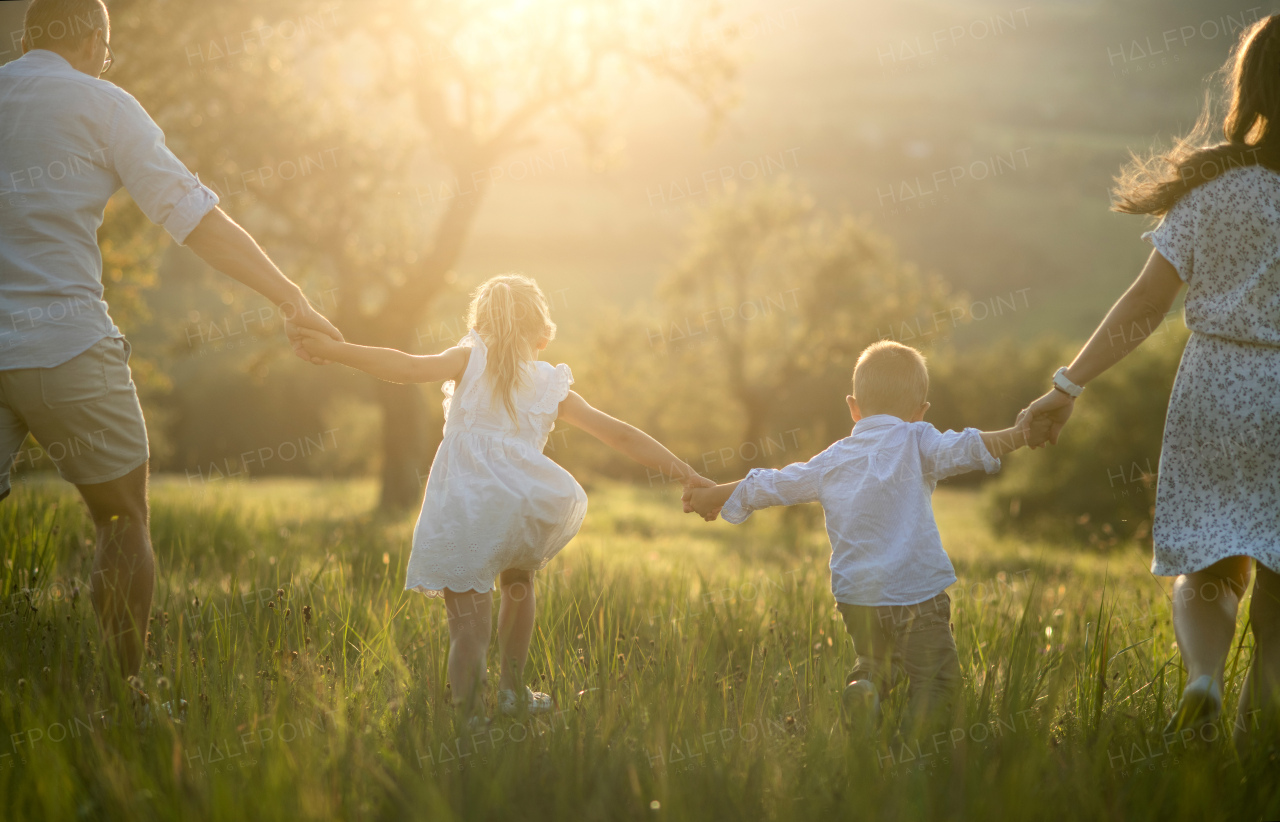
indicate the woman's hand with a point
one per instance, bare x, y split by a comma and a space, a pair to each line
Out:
1042, 421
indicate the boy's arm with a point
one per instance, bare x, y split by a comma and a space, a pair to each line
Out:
707, 502
999, 443
796, 484
627, 439
387, 363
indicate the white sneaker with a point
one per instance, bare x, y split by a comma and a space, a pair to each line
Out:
860, 706
535, 702
1201, 704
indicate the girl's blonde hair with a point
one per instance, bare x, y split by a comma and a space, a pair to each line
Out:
511, 315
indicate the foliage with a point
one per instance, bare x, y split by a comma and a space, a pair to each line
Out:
764, 315
319, 159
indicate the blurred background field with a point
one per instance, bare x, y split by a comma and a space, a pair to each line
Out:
788, 180
696, 670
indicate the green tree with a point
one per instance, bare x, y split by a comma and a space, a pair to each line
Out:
781, 297
391, 91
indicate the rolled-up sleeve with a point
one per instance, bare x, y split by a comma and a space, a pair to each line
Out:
765, 487
166, 190
947, 453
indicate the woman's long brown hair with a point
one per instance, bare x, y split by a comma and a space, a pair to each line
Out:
1249, 83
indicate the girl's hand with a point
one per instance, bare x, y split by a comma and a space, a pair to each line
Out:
319, 346
701, 505
691, 482
305, 318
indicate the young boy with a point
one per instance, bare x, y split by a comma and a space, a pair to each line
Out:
889, 572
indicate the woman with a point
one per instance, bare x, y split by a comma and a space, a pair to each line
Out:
1218, 495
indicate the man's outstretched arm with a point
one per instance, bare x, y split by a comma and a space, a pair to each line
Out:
223, 244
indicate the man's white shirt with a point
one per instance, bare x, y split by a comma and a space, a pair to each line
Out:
69, 141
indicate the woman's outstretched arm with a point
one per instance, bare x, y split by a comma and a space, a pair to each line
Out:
1134, 317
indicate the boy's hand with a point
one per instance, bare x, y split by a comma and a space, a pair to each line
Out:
319, 346
1037, 427
691, 484
701, 502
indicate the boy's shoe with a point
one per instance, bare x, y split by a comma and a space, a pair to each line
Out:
535, 702
1200, 705
860, 707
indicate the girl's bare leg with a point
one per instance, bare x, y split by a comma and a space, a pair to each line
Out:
469, 618
515, 627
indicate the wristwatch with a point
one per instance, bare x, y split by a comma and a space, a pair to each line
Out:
1065, 385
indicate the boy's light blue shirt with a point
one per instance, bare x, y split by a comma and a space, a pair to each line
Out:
875, 487
69, 141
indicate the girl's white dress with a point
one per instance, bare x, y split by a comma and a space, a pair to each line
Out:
494, 501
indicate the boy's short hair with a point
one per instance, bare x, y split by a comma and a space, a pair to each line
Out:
890, 378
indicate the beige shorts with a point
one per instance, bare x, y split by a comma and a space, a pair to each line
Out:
84, 413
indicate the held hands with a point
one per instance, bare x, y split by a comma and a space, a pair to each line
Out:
306, 319
702, 503
693, 484
315, 347
1042, 421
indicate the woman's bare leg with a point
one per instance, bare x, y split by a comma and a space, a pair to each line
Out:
1204, 615
1260, 696
515, 627
469, 617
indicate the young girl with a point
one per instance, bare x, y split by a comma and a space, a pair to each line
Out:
495, 505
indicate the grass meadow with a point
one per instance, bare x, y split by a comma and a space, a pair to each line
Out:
696, 670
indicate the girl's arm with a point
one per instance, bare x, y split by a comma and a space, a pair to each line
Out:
387, 363
628, 440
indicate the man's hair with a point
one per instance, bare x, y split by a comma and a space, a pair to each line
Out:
890, 378
61, 24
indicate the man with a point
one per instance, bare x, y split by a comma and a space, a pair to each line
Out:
68, 141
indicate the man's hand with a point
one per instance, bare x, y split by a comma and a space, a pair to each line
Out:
306, 318
1042, 421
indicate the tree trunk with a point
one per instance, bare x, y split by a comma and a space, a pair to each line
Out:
405, 461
